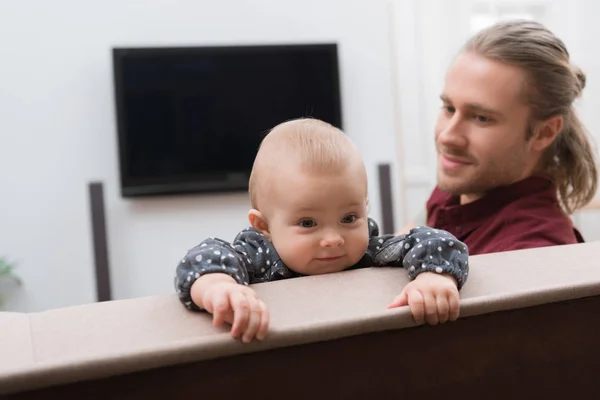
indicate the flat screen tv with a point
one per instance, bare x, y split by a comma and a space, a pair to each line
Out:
190, 119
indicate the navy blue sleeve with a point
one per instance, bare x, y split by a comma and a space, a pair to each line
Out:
250, 258
422, 249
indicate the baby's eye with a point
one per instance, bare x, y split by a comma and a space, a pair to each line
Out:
348, 219
307, 223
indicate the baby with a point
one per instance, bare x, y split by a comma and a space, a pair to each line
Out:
308, 192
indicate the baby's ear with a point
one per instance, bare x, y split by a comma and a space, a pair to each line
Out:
368, 205
258, 222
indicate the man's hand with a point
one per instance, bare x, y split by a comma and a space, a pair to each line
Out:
230, 302
431, 297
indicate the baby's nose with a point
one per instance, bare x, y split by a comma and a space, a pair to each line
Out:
333, 239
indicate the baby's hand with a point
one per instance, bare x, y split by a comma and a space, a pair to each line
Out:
239, 305
432, 297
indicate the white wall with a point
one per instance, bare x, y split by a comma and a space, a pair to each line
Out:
57, 130
582, 39
423, 49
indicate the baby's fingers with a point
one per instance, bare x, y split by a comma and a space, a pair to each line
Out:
400, 300
417, 305
431, 312
254, 320
241, 312
218, 304
443, 309
454, 306
264, 321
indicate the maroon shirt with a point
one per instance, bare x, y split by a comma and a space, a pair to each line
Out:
523, 215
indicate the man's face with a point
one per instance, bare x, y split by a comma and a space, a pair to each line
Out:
481, 131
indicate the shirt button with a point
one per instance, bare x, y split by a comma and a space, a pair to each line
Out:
458, 229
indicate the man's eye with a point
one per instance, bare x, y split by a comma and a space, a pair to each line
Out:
307, 223
348, 219
482, 118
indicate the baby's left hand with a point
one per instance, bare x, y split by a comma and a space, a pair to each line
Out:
432, 297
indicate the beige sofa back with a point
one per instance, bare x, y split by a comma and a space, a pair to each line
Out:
102, 342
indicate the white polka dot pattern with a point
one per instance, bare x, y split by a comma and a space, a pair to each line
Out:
252, 258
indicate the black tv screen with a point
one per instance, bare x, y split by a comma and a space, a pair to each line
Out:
191, 119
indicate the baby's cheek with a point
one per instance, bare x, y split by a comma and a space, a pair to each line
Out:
296, 254
361, 244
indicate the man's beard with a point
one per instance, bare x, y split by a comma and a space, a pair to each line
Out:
479, 178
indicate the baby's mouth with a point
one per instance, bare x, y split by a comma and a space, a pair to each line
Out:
329, 259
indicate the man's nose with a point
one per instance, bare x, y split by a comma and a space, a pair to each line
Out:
450, 132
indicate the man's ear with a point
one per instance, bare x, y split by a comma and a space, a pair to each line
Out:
258, 222
546, 132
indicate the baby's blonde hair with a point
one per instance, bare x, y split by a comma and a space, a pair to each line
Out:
312, 145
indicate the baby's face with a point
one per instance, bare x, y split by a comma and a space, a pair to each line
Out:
318, 224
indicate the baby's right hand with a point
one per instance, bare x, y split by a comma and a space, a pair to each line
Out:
228, 301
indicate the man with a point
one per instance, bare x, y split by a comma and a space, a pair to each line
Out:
513, 158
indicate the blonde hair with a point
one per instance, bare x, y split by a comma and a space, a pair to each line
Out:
553, 85
315, 146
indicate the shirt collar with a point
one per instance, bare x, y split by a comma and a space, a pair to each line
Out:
472, 214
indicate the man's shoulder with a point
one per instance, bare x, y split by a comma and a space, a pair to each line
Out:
532, 222
534, 207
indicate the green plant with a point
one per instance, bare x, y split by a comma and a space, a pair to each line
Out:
7, 270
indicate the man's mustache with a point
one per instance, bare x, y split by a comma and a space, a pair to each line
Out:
457, 155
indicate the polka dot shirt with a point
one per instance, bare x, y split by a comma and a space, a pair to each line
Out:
251, 258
